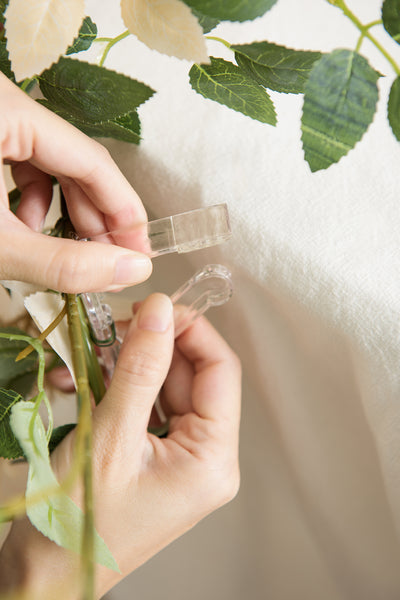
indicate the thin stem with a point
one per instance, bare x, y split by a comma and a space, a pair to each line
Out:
26, 83
84, 430
111, 43
218, 39
364, 29
26, 351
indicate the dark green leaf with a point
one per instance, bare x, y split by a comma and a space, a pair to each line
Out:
5, 64
58, 434
91, 93
19, 376
276, 67
125, 128
14, 198
227, 84
207, 23
231, 10
339, 104
3, 6
391, 18
394, 108
86, 35
9, 445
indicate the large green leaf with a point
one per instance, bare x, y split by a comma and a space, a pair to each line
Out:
206, 23
18, 376
391, 18
56, 516
276, 67
9, 446
86, 35
231, 10
125, 128
225, 83
3, 6
394, 108
91, 93
339, 104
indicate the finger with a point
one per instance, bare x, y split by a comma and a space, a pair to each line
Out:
67, 265
176, 393
217, 382
68, 154
142, 366
36, 194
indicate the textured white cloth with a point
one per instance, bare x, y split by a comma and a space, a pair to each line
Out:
315, 319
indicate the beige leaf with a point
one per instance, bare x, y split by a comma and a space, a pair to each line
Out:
39, 31
168, 26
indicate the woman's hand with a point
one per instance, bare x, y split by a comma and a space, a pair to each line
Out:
148, 490
38, 144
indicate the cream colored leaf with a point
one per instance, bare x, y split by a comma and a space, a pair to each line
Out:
168, 26
43, 308
39, 31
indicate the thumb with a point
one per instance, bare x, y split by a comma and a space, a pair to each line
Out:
142, 367
68, 265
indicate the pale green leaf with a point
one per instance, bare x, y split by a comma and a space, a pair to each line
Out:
231, 10
391, 18
86, 35
39, 32
9, 446
339, 104
276, 67
56, 516
225, 83
394, 108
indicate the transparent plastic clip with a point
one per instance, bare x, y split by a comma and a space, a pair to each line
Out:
184, 232
210, 286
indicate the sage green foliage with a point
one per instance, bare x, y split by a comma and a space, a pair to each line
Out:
231, 10
391, 18
394, 108
56, 516
18, 376
98, 101
339, 104
276, 67
86, 35
227, 84
9, 445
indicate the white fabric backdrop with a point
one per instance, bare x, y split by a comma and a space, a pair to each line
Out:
315, 320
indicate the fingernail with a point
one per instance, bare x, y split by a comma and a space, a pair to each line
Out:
131, 269
155, 314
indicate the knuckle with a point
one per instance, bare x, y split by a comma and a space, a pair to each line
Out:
68, 271
143, 367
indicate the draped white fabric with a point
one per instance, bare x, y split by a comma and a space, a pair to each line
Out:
315, 319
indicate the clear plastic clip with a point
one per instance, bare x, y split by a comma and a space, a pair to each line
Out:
184, 232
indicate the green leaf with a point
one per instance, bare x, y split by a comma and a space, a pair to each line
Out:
394, 108
86, 35
9, 446
339, 104
56, 516
3, 6
225, 83
125, 128
276, 67
58, 434
91, 93
391, 18
231, 10
206, 23
19, 376
5, 64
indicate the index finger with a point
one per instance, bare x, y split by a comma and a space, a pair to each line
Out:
216, 389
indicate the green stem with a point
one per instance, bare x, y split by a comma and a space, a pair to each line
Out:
26, 83
218, 39
111, 43
85, 430
364, 30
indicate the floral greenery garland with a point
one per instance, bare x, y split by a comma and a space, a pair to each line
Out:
340, 96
